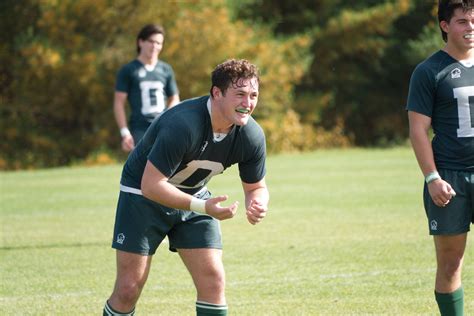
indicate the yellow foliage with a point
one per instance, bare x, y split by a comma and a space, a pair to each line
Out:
68, 59
288, 134
99, 159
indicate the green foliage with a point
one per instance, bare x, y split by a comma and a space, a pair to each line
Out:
363, 53
65, 55
58, 107
288, 16
205, 36
342, 68
428, 43
360, 72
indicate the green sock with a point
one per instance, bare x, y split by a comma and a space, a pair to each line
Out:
205, 309
451, 304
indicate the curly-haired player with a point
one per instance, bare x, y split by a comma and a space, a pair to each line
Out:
163, 188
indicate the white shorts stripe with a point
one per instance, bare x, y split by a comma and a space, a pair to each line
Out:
124, 188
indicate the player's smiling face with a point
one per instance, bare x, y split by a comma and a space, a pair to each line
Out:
460, 30
239, 101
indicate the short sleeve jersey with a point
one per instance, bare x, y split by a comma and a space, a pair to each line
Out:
180, 143
443, 89
148, 90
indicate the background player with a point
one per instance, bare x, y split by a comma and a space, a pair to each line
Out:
441, 95
165, 176
149, 85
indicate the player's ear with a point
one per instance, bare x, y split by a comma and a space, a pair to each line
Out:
216, 92
444, 26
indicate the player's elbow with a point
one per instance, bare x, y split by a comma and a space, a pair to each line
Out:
147, 189
416, 133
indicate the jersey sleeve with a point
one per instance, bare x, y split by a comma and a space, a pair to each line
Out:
253, 169
122, 83
421, 93
169, 148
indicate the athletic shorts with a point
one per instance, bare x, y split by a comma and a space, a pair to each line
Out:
456, 217
142, 224
138, 133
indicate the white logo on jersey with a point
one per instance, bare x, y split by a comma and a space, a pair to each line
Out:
434, 225
120, 238
141, 73
455, 73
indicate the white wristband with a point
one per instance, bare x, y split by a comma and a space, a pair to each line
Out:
198, 205
430, 177
124, 131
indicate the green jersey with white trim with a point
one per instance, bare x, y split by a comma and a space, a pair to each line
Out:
180, 143
443, 89
147, 89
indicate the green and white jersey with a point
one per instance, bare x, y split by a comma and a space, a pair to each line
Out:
147, 89
443, 89
180, 143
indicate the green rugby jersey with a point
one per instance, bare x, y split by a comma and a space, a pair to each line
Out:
148, 90
180, 143
443, 89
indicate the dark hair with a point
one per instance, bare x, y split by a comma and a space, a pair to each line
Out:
233, 71
446, 10
147, 31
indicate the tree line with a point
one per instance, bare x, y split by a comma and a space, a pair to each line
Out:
333, 73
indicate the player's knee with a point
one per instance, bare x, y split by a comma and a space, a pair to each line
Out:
452, 266
218, 284
214, 281
128, 293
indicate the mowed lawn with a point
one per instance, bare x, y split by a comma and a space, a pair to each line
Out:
346, 234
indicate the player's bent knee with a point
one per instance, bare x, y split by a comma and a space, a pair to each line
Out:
213, 281
128, 293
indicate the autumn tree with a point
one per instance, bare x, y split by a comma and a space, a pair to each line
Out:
61, 58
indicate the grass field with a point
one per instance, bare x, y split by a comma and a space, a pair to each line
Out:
346, 234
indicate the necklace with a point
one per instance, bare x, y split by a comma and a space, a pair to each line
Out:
219, 136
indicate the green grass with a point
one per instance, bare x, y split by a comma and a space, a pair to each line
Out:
346, 234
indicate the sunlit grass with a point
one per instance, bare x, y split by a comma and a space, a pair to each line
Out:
346, 234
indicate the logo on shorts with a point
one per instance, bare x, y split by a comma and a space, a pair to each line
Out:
434, 225
120, 238
455, 73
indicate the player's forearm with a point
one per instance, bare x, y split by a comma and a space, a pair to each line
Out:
423, 150
166, 194
261, 194
119, 109
120, 116
173, 100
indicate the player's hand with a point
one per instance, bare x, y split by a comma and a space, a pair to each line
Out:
256, 211
127, 143
214, 208
441, 192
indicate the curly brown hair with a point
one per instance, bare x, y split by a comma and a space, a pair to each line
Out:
233, 71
